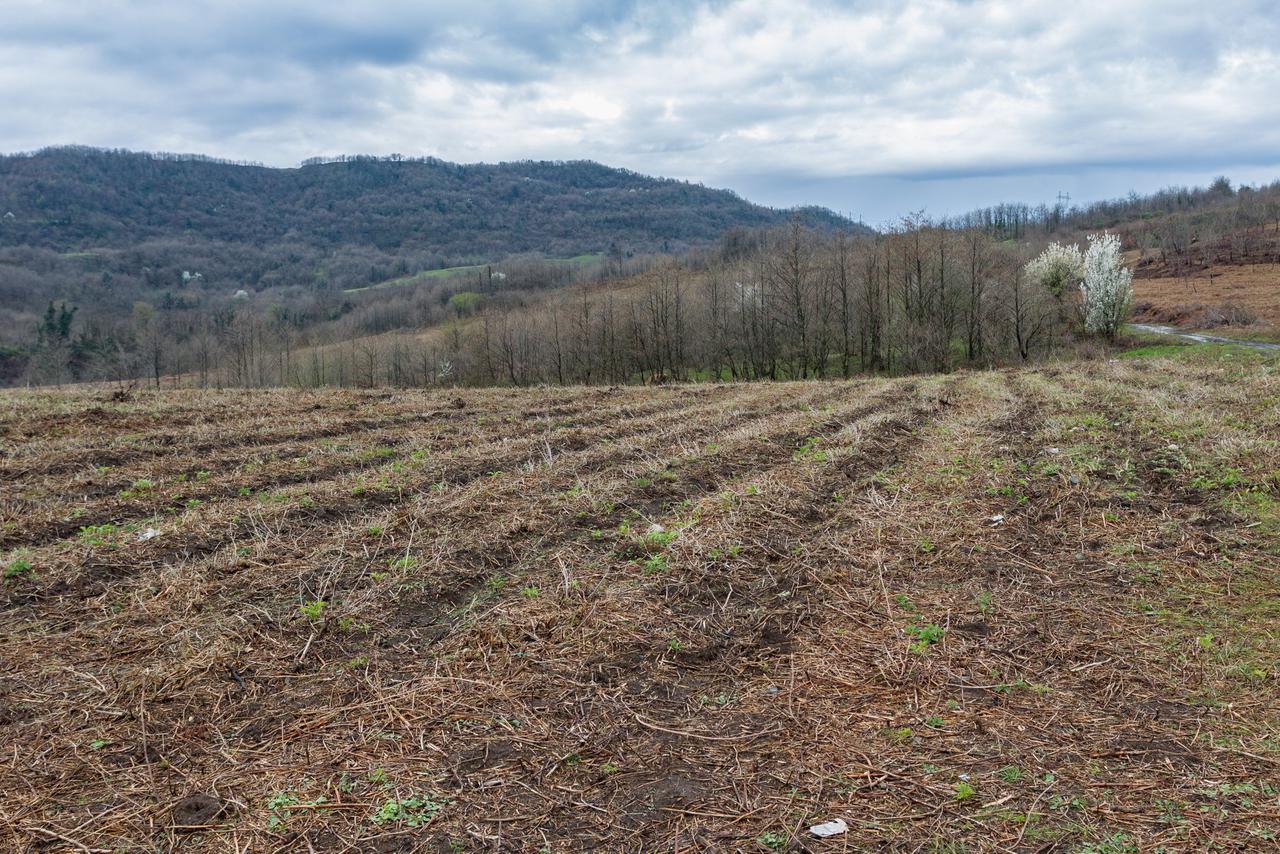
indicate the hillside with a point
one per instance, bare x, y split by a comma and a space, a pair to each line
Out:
313, 305
1203, 257
106, 230
1221, 278
1024, 610
77, 199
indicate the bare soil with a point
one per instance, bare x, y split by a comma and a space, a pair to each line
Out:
1234, 281
1208, 298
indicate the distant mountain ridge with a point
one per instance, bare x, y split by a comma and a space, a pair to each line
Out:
76, 198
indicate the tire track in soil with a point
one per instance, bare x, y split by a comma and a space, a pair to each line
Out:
1042, 533
867, 458
689, 421
332, 514
490, 550
513, 549
396, 431
34, 534
497, 550
163, 445
733, 416
1097, 723
769, 625
178, 442
1137, 716
806, 727
1162, 495
776, 448
1031, 616
640, 674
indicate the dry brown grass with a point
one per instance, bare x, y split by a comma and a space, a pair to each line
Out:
1254, 286
829, 622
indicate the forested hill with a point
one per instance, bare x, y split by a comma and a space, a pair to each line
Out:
70, 199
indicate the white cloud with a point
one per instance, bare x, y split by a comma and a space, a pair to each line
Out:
806, 90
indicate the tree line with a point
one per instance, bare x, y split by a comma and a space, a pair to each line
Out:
786, 303
794, 301
104, 230
800, 304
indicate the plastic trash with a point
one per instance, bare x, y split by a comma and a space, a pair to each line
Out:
149, 533
996, 519
835, 827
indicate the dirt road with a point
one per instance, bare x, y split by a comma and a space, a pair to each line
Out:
1201, 337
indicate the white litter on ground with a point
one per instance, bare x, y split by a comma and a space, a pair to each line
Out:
835, 827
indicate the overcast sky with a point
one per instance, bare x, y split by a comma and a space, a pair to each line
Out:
873, 109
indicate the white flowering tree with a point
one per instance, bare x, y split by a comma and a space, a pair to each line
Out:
1058, 269
1107, 288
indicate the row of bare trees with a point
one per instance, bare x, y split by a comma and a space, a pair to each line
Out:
791, 303
801, 304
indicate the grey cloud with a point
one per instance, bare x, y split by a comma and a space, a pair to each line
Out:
320, 34
785, 101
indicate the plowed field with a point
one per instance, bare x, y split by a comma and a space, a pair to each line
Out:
1032, 610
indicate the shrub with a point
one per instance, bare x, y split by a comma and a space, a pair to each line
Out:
1107, 288
1057, 269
